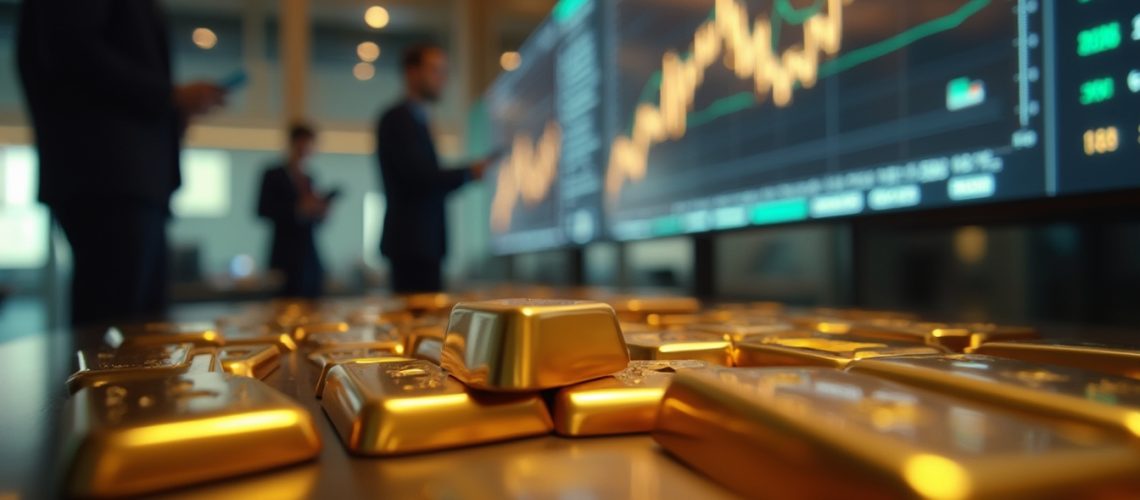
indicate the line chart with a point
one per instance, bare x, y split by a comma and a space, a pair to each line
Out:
526, 174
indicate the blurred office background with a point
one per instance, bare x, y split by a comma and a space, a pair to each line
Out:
339, 68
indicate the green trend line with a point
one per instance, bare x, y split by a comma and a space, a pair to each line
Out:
786, 12
747, 99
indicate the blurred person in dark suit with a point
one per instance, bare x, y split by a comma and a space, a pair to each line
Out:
416, 185
290, 202
108, 123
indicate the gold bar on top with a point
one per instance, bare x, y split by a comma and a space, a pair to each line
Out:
822, 433
260, 334
375, 336
981, 333
833, 352
303, 331
622, 403
821, 324
153, 334
530, 345
708, 347
953, 337
256, 361
147, 435
328, 358
102, 367
413, 406
739, 331
1043, 390
1115, 360
638, 308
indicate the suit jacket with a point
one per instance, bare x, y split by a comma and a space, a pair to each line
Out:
294, 246
96, 76
416, 186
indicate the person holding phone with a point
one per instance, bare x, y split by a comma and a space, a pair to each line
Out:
290, 201
108, 120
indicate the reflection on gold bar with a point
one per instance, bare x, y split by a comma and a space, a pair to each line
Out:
1124, 362
952, 337
413, 406
302, 332
153, 334
415, 334
256, 361
98, 368
708, 347
379, 337
829, 352
1061, 392
619, 404
255, 335
528, 345
821, 324
204, 361
329, 358
637, 308
152, 434
821, 433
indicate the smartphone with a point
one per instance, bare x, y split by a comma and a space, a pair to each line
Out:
234, 80
333, 194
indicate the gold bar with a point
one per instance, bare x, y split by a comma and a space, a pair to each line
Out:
708, 347
822, 433
638, 308
666, 321
828, 352
413, 406
529, 345
622, 403
260, 334
738, 332
378, 337
1120, 361
328, 358
153, 334
147, 435
1055, 391
256, 361
425, 342
981, 333
420, 304
861, 315
103, 367
821, 324
952, 337
303, 331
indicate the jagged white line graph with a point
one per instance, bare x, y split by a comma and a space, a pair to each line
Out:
527, 174
748, 52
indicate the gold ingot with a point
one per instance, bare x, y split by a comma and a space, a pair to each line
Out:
302, 332
623, 403
378, 337
428, 303
658, 320
981, 333
638, 308
708, 347
417, 333
530, 345
154, 334
738, 332
822, 433
413, 406
952, 337
821, 324
328, 358
258, 335
834, 352
256, 361
152, 434
862, 315
98, 367
1056, 391
1121, 361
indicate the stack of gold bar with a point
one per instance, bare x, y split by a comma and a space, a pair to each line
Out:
175, 405
1118, 360
820, 433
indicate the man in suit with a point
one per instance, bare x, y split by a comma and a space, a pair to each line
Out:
108, 122
416, 186
291, 203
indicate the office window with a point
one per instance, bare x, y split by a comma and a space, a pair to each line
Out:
205, 190
23, 221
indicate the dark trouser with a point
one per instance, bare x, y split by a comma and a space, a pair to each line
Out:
119, 254
416, 274
304, 279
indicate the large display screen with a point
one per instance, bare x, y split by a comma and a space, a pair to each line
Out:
721, 114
